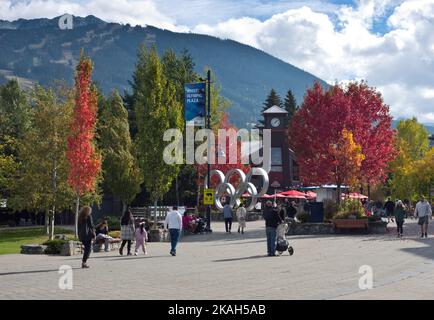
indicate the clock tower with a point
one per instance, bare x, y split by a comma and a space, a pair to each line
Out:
283, 165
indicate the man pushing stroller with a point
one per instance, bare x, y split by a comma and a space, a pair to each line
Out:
275, 227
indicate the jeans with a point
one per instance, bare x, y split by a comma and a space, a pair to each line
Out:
228, 224
174, 238
399, 225
271, 240
123, 245
87, 247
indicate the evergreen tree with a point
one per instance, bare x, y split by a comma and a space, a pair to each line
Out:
273, 99
290, 104
121, 173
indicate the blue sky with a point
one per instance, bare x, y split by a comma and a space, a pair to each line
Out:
389, 43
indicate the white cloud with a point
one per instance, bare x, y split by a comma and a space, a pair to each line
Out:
334, 42
135, 12
398, 63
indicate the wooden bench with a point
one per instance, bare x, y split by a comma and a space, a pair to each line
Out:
351, 224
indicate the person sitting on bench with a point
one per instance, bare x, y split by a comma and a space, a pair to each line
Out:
102, 234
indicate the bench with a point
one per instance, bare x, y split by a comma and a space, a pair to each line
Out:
351, 224
98, 245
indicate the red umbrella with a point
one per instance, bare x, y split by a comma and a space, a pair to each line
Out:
278, 195
294, 194
267, 196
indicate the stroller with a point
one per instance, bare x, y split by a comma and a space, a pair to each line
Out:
282, 243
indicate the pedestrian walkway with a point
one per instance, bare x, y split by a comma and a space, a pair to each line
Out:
222, 266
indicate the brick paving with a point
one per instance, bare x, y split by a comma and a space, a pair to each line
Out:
222, 266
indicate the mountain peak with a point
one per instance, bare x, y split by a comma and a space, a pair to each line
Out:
49, 23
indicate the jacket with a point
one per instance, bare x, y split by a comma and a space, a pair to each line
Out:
271, 217
86, 230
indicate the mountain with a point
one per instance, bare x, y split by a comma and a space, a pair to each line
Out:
38, 51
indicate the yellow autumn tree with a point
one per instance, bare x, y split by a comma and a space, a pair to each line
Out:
348, 158
422, 174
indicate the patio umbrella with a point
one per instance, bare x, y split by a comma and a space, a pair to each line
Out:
294, 194
278, 195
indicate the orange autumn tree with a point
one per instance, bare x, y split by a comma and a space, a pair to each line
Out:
347, 160
84, 161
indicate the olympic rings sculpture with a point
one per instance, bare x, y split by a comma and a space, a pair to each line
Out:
244, 185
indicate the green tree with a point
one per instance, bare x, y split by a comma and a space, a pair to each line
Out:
290, 104
14, 111
42, 184
412, 144
121, 173
272, 99
156, 109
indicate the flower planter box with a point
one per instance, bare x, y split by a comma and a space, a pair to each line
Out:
379, 227
351, 224
310, 228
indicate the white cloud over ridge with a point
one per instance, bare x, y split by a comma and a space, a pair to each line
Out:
335, 46
400, 62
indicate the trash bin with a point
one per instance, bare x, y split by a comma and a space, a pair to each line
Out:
316, 212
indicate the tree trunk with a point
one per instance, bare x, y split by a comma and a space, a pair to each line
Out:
77, 206
155, 214
177, 191
338, 189
47, 222
124, 207
53, 212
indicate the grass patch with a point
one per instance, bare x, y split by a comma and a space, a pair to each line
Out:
12, 239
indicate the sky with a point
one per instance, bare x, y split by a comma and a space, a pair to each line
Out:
388, 43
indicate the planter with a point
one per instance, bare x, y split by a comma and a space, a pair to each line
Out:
350, 224
71, 248
378, 227
310, 228
33, 249
157, 235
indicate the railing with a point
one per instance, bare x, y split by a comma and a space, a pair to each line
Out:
149, 212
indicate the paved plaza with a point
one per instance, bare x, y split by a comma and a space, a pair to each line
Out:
222, 266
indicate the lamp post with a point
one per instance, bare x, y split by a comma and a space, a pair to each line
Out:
208, 126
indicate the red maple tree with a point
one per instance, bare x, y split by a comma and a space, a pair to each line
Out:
223, 165
323, 115
85, 163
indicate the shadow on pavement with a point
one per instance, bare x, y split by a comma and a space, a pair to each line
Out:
31, 271
425, 252
242, 258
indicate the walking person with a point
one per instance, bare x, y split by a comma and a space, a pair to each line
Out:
423, 211
173, 222
399, 214
271, 218
227, 214
127, 231
86, 232
241, 217
389, 206
141, 237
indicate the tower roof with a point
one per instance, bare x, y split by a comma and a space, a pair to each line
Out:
275, 109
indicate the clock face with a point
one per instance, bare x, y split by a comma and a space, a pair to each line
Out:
275, 122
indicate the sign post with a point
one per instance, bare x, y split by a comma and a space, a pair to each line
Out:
208, 196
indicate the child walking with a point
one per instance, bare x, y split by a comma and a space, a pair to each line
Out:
399, 214
141, 237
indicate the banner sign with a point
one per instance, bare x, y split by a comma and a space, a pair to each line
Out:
195, 98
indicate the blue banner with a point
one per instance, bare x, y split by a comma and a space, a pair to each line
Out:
195, 98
